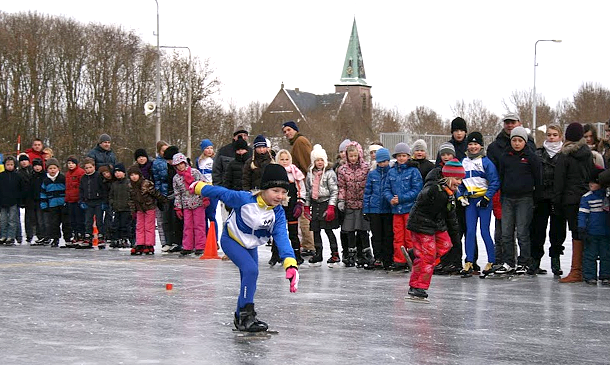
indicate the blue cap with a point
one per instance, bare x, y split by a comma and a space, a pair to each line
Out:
260, 141
205, 144
291, 124
383, 154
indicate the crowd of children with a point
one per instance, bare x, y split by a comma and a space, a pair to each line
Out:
414, 209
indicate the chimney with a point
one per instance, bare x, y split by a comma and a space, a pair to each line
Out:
296, 89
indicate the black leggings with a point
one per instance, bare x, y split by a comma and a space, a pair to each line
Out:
317, 240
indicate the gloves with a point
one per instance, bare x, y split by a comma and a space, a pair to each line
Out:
307, 212
464, 201
483, 203
341, 205
206, 202
179, 213
292, 274
330, 213
83, 206
104, 206
298, 209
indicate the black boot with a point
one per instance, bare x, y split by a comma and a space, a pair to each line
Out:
350, 260
297, 256
417, 292
556, 266
275, 256
247, 321
317, 258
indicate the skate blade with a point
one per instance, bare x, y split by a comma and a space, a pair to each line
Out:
415, 299
334, 265
255, 335
407, 257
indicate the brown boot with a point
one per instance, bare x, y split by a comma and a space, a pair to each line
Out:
575, 275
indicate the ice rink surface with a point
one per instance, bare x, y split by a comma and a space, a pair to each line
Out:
66, 306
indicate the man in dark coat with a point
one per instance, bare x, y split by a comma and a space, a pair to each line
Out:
102, 153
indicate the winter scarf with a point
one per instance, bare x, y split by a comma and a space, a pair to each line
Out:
473, 156
297, 175
315, 186
552, 148
187, 176
52, 177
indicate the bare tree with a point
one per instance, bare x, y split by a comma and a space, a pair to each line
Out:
521, 102
590, 104
477, 116
424, 120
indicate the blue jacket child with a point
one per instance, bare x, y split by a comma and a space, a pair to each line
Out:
405, 181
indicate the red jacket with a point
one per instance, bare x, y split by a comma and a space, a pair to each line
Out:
33, 154
73, 183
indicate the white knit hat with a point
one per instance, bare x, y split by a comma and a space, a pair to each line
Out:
318, 152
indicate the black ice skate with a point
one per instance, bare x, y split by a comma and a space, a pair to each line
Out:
417, 295
316, 259
246, 321
334, 260
138, 250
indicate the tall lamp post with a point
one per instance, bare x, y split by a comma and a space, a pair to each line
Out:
190, 95
158, 83
535, 65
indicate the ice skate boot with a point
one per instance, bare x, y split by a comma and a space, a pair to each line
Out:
487, 270
367, 259
334, 260
175, 248
148, 250
186, 252
350, 259
138, 250
198, 253
55, 242
9, 242
504, 269
2, 240
275, 257
246, 321
316, 259
467, 270
298, 257
556, 266
417, 295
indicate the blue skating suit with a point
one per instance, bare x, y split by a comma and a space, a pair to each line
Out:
251, 223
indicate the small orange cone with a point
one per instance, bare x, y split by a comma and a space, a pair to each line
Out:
96, 232
211, 251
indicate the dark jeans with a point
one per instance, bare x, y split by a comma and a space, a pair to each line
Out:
317, 240
517, 214
94, 209
121, 225
173, 234
596, 246
55, 217
30, 220
108, 217
77, 218
41, 226
383, 237
557, 231
498, 245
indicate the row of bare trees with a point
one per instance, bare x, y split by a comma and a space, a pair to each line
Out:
67, 82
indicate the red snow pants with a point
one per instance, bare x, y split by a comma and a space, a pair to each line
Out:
402, 236
427, 249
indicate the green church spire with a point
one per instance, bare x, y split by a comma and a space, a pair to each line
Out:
353, 67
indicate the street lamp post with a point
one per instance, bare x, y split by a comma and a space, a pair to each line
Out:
190, 96
158, 83
535, 101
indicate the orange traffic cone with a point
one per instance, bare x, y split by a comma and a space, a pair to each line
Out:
211, 251
96, 232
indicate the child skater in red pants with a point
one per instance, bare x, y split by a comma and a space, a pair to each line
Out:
432, 221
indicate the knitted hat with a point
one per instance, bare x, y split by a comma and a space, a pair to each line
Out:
260, 141
119, 167
290, 124
383, 154
37, 162
23, 157
205, 144
318, 152
240, 144
178, 159
594, 177
575, 132
511, 116
419, 145
344, 144
140, 152
104, 138
72, 159
274, 176
475, 137
134, 170
239, 130
454, 168
446, 148
170, 152
401, 148
519, 132
51, 161
458, 124
375, 147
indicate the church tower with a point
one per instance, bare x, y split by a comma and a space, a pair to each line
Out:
353, 80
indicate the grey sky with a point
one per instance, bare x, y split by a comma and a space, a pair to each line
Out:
429, 53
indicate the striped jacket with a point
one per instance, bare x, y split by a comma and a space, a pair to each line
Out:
591, 215
481, 178
53, 193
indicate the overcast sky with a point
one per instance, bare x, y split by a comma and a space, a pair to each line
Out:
430, 53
